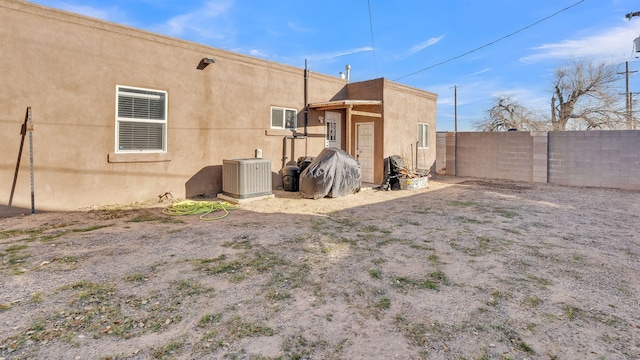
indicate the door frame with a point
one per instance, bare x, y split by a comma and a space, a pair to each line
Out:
372, 174
333, 117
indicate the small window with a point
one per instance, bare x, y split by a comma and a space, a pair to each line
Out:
141, 120
283, 118
332, 134
423, 135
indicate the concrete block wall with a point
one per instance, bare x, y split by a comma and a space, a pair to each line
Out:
504, 155
575, 158
595, 158
540, 169
441, 152
451, 153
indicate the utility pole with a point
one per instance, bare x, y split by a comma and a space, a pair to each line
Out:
631, 123
455, 107
629, 102
455, 119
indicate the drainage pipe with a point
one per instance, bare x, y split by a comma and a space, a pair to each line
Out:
306, 97
284, 146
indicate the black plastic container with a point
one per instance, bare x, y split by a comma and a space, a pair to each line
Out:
291, 178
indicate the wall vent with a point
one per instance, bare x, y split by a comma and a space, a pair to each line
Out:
246, 178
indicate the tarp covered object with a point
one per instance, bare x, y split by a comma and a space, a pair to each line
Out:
392, 165
332, 173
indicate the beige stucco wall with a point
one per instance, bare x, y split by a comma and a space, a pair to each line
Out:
66, 67
370, 90
396, 132
403, 104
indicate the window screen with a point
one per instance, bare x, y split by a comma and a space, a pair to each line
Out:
423, 135
283, 118
141, 120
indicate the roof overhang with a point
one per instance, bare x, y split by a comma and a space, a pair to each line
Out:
348, 104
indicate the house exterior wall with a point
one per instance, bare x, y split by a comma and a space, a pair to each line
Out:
396, 132
67, 67
576, 158
369, 90
409, 106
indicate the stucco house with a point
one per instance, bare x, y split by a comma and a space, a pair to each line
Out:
123, 115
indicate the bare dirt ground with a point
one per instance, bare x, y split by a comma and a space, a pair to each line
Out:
467, 269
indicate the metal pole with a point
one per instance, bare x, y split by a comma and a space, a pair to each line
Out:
23, 133
30, 129
633, 121
412, 168
306, 97
455, 107
455, 117
627, 95
626, 64
417, 154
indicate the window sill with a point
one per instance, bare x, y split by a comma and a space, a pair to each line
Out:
138, 158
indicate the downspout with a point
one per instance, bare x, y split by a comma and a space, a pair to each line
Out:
284, 146
284, 150
306, 97
306, 119
416, 168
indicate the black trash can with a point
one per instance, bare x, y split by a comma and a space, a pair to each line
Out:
291, 178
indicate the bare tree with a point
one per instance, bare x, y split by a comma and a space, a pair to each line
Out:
507, 114
584, 97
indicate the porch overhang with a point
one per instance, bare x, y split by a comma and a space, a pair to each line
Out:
348, 106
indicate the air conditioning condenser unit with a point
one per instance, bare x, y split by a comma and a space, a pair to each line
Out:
246, 178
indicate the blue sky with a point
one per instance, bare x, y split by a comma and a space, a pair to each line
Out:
416, 43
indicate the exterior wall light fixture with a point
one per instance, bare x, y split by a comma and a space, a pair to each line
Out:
205, 62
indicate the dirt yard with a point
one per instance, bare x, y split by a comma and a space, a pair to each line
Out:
467, 269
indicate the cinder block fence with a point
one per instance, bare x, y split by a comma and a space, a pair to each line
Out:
576, 158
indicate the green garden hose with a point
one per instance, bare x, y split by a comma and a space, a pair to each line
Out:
191, 207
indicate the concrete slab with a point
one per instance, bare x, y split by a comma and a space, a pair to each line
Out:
233, 200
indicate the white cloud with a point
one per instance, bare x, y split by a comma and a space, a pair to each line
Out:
296, 27
468, 93
425, 44
198, 21
539, 102
89, 11
341, 53
614, 44
476, 97
112, 14
257, 53
481, 71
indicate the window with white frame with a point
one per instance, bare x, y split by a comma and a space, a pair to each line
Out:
283, 118
141, 120
423, 135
